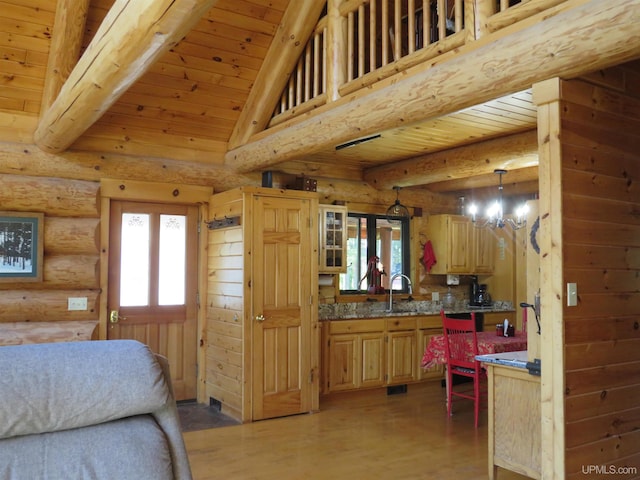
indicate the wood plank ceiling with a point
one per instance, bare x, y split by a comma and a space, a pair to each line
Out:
186, 106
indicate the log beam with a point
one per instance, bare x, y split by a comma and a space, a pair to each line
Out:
510, 153
297, 25
68, 32
131, 38
20, 333
522, 181
588, 37
16, 158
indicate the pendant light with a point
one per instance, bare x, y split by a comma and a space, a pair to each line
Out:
397, 211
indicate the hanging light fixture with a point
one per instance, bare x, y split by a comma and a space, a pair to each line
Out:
495, 218
397, 211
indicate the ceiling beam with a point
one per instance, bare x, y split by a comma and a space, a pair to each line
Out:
511, 152
297, 25
66, 43
131, 38
585, 38
520, 180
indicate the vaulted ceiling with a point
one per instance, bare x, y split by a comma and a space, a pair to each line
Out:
188, 101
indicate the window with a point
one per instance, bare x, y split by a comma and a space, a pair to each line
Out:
368, 236
136, 258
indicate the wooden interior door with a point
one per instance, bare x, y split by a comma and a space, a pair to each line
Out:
281, 306
162, 312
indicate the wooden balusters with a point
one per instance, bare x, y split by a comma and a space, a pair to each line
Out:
361, 44
373, 34
426, 23
359, 37
385, 29
308, 79
458, 15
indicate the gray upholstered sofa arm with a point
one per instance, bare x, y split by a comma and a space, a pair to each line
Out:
90, 391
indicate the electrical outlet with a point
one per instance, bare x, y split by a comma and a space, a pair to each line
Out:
572, 294
77, 303
435, 296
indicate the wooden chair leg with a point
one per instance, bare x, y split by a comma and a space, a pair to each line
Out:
449, 387
476, 402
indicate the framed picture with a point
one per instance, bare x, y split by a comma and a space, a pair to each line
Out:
21, 246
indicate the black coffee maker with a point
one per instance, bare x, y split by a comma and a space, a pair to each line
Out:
478, 295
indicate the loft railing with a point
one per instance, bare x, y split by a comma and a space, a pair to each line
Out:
308, 81
360, 42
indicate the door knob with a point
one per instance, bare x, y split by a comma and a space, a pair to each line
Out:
114, 317
259, 318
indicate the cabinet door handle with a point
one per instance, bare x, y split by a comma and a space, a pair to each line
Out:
259, 318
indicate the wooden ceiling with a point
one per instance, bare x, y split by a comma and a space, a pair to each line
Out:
187, 104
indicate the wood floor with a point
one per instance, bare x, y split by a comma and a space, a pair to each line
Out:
362, 435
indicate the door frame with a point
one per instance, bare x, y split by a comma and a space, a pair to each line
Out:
170, 193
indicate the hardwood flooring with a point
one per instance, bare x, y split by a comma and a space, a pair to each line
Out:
358, 435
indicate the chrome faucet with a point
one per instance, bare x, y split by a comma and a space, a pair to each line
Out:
393, 277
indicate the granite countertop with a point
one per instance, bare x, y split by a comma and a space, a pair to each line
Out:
401, 308
510, 359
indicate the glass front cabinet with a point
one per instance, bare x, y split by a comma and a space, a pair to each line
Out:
333, 239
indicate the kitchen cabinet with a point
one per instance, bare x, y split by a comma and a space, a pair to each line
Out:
333, 238
355, 355
401, 350
459, 247
483, 248
426, 328
376, 352
262, 357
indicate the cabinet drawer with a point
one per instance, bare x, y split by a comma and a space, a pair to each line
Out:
356, 326
399, 323
432, 321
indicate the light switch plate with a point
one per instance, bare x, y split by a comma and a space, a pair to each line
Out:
435, 296
77, 303
572, 294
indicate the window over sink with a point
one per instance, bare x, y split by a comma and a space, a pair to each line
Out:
370, 236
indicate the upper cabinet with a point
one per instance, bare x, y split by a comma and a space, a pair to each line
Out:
333, 239
483, 242
458, 246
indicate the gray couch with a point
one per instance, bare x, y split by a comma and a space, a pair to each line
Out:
88, 410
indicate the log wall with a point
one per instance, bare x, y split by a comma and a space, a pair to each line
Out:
70, 261
599, 134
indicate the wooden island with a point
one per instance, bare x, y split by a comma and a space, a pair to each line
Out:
514, 415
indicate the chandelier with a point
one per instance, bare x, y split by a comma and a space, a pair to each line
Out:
494, 215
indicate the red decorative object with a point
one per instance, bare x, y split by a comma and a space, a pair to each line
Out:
374, 277
428, 256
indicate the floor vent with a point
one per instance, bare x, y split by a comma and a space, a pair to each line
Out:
215, 404
396, 389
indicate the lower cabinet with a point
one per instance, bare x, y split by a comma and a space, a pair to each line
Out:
375, 352
353, 354
401, 350
424, 335
356, 361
